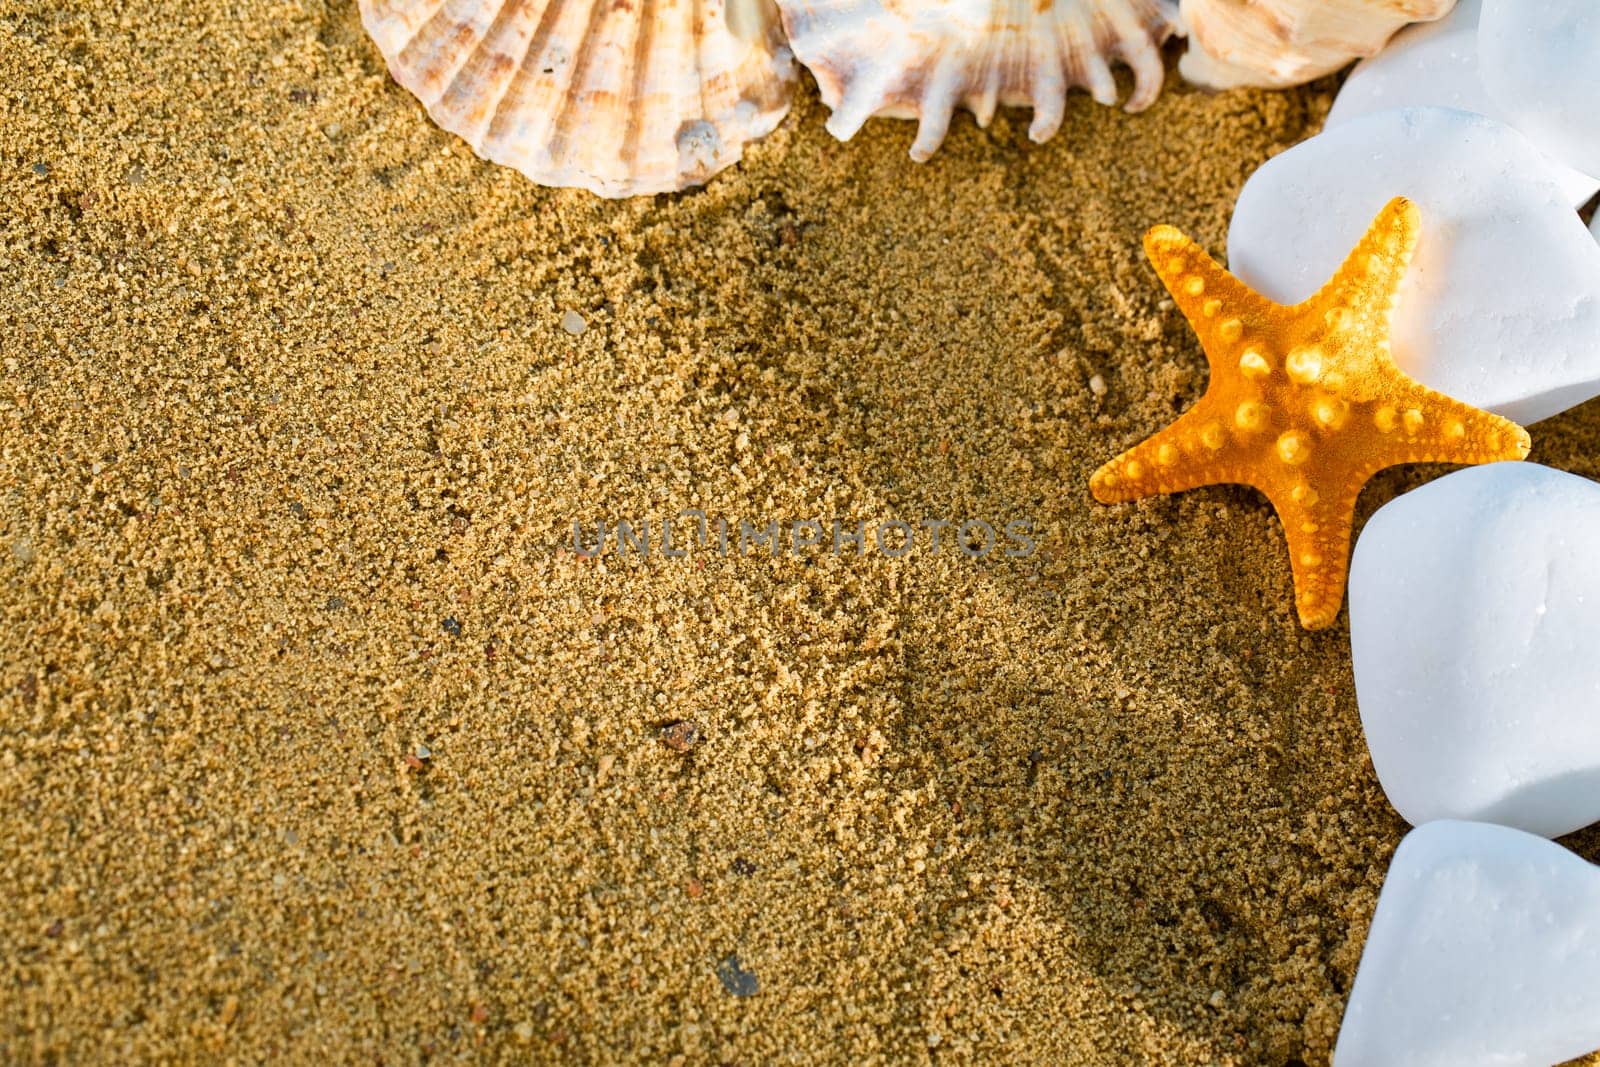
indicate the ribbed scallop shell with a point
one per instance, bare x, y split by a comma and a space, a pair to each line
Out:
923, 58
1278, 43
621, 97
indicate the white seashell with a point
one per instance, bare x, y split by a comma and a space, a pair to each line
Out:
1277, 43
922, 59
621, 98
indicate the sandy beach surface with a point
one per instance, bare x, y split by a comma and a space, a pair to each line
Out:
319, 743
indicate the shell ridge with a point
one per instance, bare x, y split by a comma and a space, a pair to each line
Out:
479, 69
449, 48
493, 143
984, 96
939, 96
640, 71
568, 115
701, 57
622, 97
698, 9
896, 58
1102, 84
859, 100
1050, 98
394, 27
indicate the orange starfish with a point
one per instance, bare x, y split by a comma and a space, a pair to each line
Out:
1305, 403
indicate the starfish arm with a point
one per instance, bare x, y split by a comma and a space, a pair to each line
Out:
1363, 292
1192, 452
1424, 426
1216, 303
1317, 529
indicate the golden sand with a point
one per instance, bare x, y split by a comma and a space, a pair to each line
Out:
319, 744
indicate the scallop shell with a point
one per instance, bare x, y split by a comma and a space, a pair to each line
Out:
620, 97
923, 58
1278, 43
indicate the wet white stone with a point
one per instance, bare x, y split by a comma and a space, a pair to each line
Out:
1435, 64
1484, 949
1475, 637
1501, 305
1540, 63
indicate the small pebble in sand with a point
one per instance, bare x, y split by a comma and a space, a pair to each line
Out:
452, 626
573, 323
1097, 386
680, 736
735, 979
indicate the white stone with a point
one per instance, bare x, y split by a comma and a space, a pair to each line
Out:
1484, 949
1501, 305
1475, 637
1435, 64
1540, 63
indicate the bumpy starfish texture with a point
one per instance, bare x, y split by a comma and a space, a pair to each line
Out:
1305, 403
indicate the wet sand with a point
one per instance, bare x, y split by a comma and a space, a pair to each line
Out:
319, 742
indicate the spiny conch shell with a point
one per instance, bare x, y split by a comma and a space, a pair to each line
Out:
620, 97
923, 58
1278, 43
